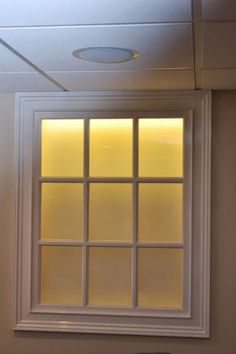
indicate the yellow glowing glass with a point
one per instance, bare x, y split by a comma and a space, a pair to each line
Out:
61, 210
109, 276
160, 278
160, 212
161, 147
62, 147
110, 147
110, 211
61, 280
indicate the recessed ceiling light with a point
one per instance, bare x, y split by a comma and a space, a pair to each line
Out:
108, 55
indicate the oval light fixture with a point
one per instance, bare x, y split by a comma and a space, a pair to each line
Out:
107, 55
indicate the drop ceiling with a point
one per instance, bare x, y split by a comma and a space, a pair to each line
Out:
183, 44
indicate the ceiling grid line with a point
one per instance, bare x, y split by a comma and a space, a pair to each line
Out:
35, 67
197, 42
115, 24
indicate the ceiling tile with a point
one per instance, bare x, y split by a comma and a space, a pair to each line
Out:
74, 12
123, 80
219, 45
160, 46
221, 79
219, 9
11, 82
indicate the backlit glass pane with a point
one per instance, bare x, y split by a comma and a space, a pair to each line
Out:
160, 212
61, 269
161, 147
109, 276
62, 147
110, 211
160, 278
110, 147
61, 211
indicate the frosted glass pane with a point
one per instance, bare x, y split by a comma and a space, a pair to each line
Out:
160, 277
62, 147
61, 211
160, 212
161, 147
61, 269
109, 276
110, 211
111, 147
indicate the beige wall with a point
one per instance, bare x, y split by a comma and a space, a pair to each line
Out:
223, 274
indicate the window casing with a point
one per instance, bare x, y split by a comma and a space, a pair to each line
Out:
92, 308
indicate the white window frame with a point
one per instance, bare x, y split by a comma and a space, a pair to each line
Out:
190, 321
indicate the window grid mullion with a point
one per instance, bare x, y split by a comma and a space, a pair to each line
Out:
135, 214
112, 244
85, 216
38, 203
112, 179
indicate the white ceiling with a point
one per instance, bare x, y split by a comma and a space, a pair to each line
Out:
183, 44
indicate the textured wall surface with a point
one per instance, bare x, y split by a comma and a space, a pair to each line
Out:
223, 261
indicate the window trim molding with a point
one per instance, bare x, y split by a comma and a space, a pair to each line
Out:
31, 318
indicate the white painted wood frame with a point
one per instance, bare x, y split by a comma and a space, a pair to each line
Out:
192, 320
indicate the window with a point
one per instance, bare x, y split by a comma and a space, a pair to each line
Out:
113, 213
111, 223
